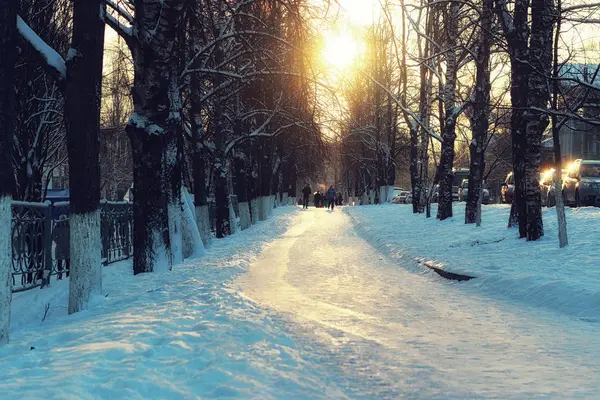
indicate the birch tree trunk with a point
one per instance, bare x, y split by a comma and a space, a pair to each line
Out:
8, 58
153, 128
451, 114
82, 120
480, 119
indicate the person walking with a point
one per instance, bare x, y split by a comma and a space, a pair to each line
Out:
331, 197
305, 193
60, 235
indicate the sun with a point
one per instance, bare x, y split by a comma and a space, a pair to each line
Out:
339, 50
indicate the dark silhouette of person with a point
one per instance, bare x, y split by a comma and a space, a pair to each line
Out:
60, 236
305, 193
331, 197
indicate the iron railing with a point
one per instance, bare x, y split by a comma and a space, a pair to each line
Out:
40, 237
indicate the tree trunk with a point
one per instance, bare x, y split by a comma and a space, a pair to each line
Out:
449, 129
198, 161
241, 191
173, 157
563, 240
153, 130
542, 28
82, 118
518, 37
223, 227
8, 57
480, 119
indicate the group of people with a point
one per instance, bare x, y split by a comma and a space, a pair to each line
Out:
328, 199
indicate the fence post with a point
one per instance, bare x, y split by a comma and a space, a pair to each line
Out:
47, 245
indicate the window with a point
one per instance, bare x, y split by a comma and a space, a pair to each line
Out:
590, 170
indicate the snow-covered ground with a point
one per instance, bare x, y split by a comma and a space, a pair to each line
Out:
300, 307
538, 273
393, 333
184, 334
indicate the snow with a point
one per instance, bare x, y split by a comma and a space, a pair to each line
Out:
389, 332
53, 59
535, 273
182, 335
300, 306
142, 122
5, 267
86, 266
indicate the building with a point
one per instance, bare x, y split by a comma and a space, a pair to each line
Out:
580, 138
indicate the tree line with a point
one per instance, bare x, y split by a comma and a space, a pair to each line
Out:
492, 73
220, 101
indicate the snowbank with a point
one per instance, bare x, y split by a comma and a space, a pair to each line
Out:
183, 334
537, 273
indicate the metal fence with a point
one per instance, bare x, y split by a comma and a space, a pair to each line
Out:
40, 237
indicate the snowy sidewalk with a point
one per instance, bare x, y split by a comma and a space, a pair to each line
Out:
394, 333
185, 334
316, 313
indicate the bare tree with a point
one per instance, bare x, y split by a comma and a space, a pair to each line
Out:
152, 30
8, 56
481, 115
80, 79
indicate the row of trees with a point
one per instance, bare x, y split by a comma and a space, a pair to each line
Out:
220, 95
435, 71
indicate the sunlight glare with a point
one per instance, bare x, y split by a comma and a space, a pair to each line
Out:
340, 50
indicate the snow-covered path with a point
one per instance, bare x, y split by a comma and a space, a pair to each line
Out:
393, 333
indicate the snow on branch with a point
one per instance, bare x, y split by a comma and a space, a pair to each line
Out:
120, 10
122, 30
52, 60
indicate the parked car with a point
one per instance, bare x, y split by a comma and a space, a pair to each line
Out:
547, 191
581, 186
435, 194
463, 192
455, 191
400, 198
397, 191
409, 198
508, 189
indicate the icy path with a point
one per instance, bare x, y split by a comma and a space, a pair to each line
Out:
391, 333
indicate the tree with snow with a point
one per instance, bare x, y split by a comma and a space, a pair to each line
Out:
8, 56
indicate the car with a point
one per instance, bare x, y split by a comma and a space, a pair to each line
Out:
547, 190
397, 191
463, 192
435, 194
581, 186
455, 191
400, 198
508, 189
